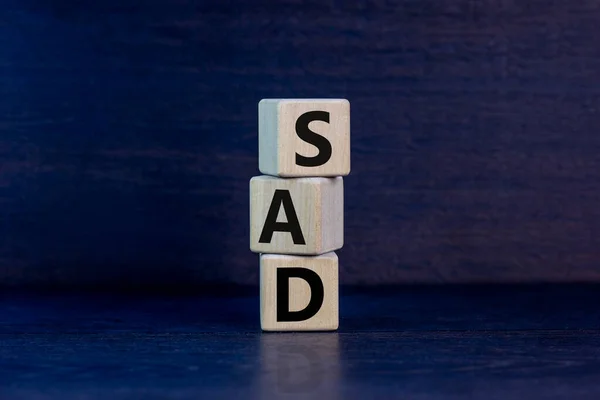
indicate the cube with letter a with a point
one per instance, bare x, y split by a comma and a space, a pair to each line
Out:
302, 216
304, 137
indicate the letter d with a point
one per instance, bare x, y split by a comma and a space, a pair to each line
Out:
317, 293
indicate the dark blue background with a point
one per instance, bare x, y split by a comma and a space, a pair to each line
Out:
128, 136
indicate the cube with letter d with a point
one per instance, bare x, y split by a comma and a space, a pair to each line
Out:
299, 293
304, 137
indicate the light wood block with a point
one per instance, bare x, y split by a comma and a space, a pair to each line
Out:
297, 215
299, 293
304, 137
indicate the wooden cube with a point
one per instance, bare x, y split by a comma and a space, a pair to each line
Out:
296, 215
304, 137
299, 293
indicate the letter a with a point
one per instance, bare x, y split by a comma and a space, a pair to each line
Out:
282, 197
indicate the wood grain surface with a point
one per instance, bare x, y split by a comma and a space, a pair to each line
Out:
453, 342
128, 135
310, 211
293, 141
300, 293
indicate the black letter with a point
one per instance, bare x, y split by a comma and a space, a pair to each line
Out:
317, 293
313, 138
292, 225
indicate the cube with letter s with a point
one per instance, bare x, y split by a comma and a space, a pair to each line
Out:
304, 137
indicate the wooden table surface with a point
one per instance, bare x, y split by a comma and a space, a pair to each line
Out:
460, 342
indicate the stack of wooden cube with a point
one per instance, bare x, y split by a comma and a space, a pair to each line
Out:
297, 211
